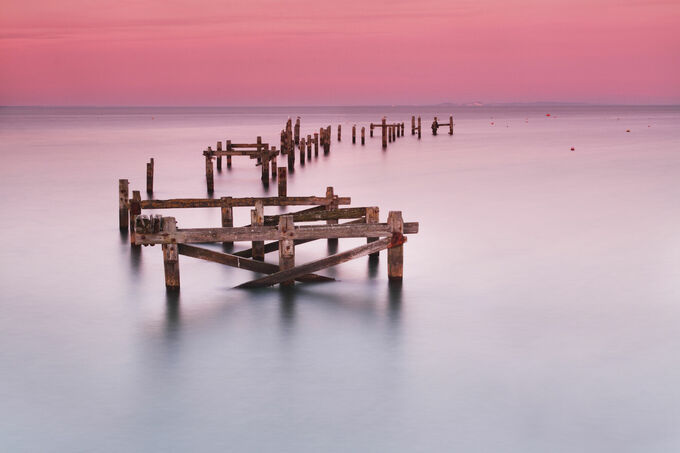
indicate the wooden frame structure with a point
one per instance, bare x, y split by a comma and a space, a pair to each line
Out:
414, 128
436, 125
390, 132
285, 234
259, 151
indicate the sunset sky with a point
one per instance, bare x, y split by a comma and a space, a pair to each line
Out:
303, 52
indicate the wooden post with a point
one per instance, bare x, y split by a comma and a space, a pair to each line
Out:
123, 203
297, 130
228, 157
316, 144
227, 209
286, 246
389, 133
264, 159
170, 256
413, 125
419, 128
451, 125
309, 147
384, 132
327, 144
135, 210
291, 157
395, 255
339, 134
273, 162
363, 135
402, 128
331, 207
149, 176
283, 182
371, 130
219, 158
257, 219
354, 134
209, 178
283, 141
372, 216
258, 146
435, 125
302, 151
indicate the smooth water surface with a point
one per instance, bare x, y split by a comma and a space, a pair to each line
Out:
539, 310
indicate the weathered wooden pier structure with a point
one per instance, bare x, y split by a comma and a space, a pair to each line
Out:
390, 131
265, 156
436, 125
415, 128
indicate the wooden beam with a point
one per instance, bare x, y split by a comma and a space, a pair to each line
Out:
241, 263
286, 249
170, 256
395, 255
123, 203
287, 274
177, 203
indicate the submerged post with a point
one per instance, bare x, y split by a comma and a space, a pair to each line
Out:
435, 125
170, 255
286, 246
372, 216
291, 157
451, 125
354, 134
209, 178
272, 157
363, 135
413, 125
339, 134
384, 132
219, 158
309, 147
302, 151
283, 182
419, 128
371, 130
228, 144
123, 203
332, 206
135, 210
257, 219
395, 254
316, 144
297, 130
227, 209
149, 176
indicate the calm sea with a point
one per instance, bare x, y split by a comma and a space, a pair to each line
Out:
540, 307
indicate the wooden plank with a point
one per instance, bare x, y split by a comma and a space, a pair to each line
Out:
333, 260
242, 263
179, 203
319, 213
270, 233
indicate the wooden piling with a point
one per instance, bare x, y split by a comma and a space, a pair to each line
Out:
135, 210
435, 126
354, 134
273, 162
149, 176
371, 130
227, 212
209, 177
339, 134
451, 125
302, 151
331, 207
297, 130
389, 134
363, 135
123, 203
291, 158
309, 147
316, 144
384, 132
283, 182
228, 145
219, 158
286, 246
413, 125
170, 256
372, 216
395, 254
257, 219
419, 129
402, 128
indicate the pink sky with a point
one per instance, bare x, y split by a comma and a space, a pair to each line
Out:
303, 52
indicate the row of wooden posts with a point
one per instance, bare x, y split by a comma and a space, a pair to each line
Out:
284, 230
290, 138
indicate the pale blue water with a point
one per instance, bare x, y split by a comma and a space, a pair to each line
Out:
539, 310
